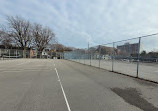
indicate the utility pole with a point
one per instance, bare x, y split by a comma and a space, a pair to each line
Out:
88, 49
88, 46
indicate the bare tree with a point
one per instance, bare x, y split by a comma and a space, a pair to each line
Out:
1, 36
20, 31
60, 48
5, 39
24, 34
42, 36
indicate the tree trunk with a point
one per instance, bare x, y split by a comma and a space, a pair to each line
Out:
24, 52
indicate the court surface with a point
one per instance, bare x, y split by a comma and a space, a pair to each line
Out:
61, 85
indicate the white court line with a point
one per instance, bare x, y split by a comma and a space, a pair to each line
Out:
22, 63
23, 70
67, 103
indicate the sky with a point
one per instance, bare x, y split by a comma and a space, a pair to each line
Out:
77, 22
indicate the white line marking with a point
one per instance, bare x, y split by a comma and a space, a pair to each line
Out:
22, 63
67, 103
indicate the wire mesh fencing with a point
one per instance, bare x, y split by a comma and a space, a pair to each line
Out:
137, 57
126, 56
148, 65
6, 54
11, 54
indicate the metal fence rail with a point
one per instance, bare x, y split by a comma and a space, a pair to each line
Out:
136, 57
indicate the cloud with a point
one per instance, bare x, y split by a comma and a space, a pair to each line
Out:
76, 22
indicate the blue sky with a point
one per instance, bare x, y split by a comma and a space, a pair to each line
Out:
75, 22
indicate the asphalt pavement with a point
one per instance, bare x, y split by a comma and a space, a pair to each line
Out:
61, 85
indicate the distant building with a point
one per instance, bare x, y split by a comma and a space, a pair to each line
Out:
105, 52
128, 49
45, 53
33, 53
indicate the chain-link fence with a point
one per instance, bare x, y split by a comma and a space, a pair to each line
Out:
15, 53
136, 57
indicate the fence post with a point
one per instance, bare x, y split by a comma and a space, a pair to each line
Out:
23, 53
99, 55
79, 55
40, 55
90, 57
36, 54
51, 55
16, 53
0, 53
113, 57
84, 55
138, 58
3, 54
9, 53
